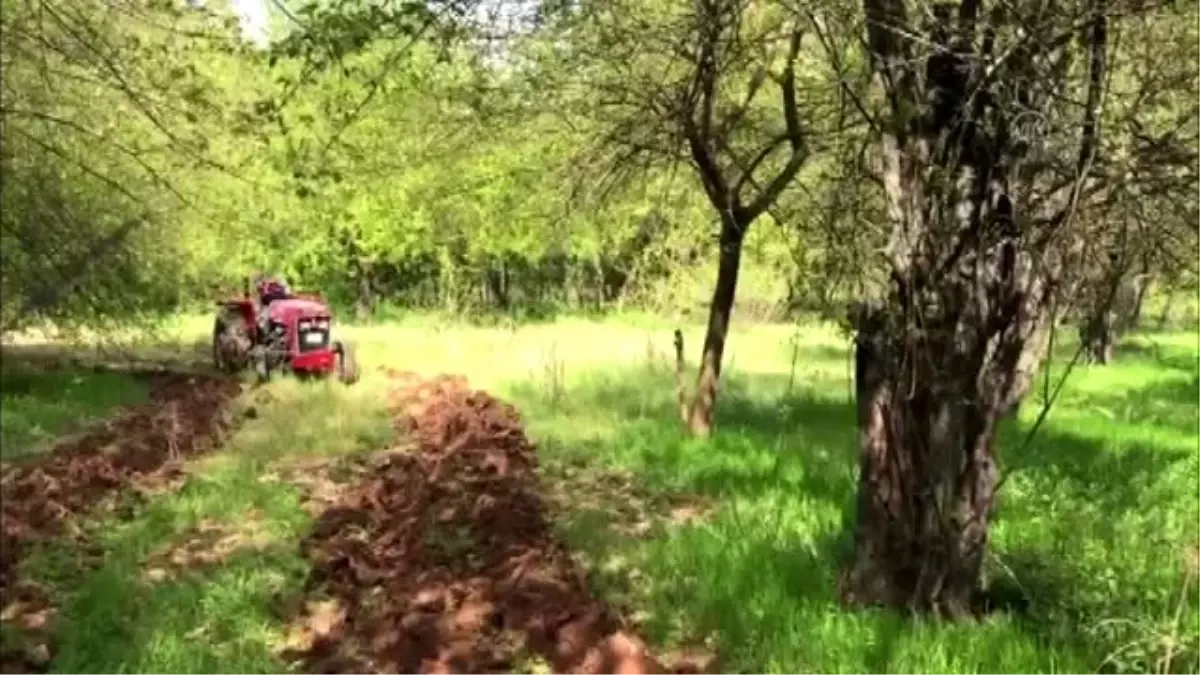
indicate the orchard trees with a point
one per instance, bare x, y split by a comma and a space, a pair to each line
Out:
1144, 225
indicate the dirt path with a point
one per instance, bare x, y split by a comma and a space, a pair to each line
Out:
140, 448
441, 559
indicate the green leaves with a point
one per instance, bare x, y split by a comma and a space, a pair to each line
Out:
328, 32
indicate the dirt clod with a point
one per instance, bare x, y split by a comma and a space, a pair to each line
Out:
444, 559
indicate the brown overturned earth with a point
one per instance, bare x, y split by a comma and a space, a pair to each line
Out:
441, 559
141, 447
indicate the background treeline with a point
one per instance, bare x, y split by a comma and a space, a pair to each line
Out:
152, 157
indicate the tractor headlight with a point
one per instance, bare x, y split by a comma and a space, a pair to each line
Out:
323, 324
304, 324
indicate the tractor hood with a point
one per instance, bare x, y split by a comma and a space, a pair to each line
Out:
296, 308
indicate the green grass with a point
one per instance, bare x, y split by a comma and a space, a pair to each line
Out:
222, 617
1095, 523
1096, 519
40, 407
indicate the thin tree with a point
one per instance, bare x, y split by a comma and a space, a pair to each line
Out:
718, 85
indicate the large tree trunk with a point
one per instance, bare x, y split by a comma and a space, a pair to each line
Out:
966, 319
700, 417
928, 475
950, 352
936, 368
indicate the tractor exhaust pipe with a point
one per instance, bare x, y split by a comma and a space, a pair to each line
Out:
246, 288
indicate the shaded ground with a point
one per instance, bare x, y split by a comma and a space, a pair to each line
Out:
441, 558
38, 497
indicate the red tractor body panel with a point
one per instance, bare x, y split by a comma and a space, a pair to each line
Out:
290, 310
299, 316
314, 362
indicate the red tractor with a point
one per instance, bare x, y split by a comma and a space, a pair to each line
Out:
280, 331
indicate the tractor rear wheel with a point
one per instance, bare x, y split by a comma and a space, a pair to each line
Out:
217, 332
347, 363
229, 343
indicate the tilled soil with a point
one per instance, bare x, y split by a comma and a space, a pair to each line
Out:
442, 559
37, 497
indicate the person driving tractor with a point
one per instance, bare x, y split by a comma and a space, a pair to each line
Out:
269, 289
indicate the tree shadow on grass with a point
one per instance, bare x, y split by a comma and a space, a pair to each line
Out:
1089, 544
1145, 348
1151, 383
1168, 403
1070, 467
763, 572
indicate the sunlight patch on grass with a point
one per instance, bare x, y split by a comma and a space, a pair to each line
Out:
492, 356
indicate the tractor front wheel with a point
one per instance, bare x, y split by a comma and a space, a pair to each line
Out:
347, 364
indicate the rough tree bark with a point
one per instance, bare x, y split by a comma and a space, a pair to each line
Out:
954, 346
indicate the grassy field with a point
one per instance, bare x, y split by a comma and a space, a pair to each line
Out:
1096, 531
40, 407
